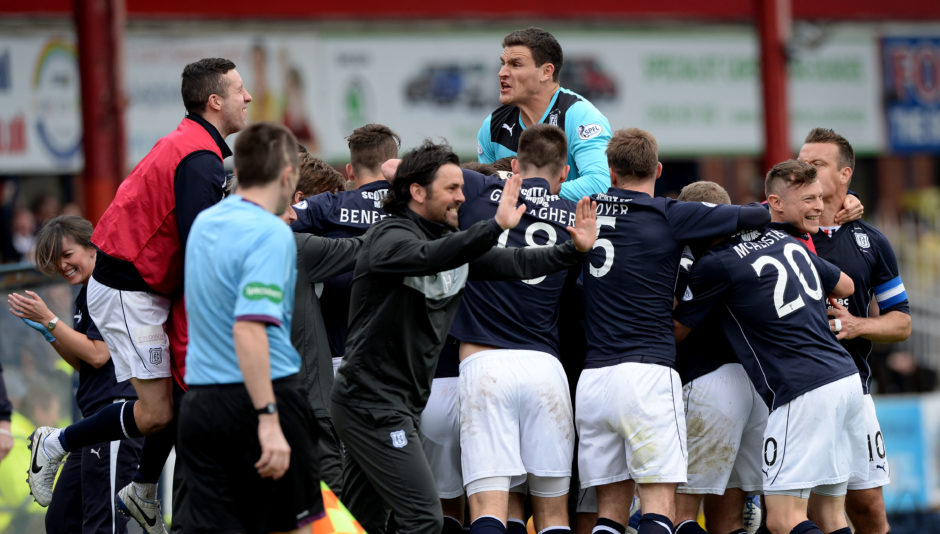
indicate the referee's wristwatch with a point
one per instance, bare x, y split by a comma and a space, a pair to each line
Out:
267, 409
50, 326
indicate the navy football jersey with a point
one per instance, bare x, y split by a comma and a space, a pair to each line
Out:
707, 347
630, 275
515, 314
342, 214
96, 387
774, 291
864, 253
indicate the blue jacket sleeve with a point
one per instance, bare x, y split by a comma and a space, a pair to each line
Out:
485, 152
199, 184
588, 133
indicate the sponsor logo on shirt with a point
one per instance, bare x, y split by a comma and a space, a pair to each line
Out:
510, 128
259, 291
302, 205
553, 117
588, 131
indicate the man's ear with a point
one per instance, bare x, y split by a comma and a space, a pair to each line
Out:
418, 193
350, 175
214, 103
298, 196
659, 169
775, 202
564, 173
845, 175
548, 71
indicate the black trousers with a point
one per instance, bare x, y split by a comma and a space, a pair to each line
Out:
386, 470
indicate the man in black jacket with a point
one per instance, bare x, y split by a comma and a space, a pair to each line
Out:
409, 275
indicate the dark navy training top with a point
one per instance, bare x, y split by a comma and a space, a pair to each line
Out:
96, 387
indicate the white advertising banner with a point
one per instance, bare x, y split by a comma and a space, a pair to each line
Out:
40, 108
697, 91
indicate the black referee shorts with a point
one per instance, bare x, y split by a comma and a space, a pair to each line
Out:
218, 444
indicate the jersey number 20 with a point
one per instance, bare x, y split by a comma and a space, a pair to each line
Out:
789, 251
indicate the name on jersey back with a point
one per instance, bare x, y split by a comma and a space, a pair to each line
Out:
767, 239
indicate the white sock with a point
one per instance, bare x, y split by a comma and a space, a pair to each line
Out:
51, 445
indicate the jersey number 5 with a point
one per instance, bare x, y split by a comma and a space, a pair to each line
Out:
790, 250
605, 245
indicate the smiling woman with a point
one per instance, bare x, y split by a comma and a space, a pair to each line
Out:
63, 247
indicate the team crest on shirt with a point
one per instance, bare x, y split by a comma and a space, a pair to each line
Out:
302, 205
862, 240
553, 117
399, 439
156, 355
588, 131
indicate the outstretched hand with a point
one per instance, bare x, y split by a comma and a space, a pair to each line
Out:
584, 231
508, 214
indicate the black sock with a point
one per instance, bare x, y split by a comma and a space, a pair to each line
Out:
153, 456
608, 525
515, 526
451, 525
111, 423
487, 525
654, 524
806, 527
844, 530
689, 526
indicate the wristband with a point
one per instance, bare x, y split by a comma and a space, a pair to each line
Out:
41, 329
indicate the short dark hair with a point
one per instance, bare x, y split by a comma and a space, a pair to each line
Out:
202, 79
786, 174
418, 166
372, 145
486, 169
261, 152
504, 164
543, 45
633, 152
318, 176
543, 146
704, 191
49, 240
826, 135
